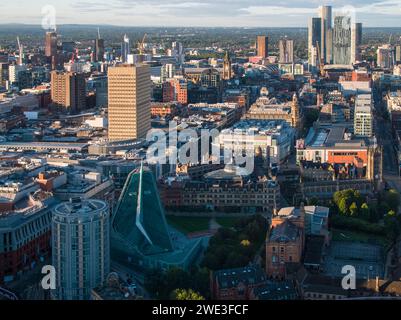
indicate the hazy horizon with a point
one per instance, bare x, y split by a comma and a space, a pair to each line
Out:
196, 13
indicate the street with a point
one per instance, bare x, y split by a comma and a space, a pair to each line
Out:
384, 134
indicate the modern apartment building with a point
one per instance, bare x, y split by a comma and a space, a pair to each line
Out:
286, 47
51, 44
363, 116
81, 247
262, 46
68, 91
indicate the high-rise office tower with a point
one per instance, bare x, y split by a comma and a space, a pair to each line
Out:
314, 39
356, 42
227, 69
125, 49
363, 118
99, 84
99, 50
286, 51
262, 46
14, 72
175, 90
177, 50
4, 74
129, 102
342, 40
398, 54
325, 13
81, 247
167, 71
385, 56
51, 44
329, 46
68, 91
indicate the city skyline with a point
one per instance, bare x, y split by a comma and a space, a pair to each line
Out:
220, 13
212, 163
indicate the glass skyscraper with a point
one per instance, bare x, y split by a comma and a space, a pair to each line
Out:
342, 40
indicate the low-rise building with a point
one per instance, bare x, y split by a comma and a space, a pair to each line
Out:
224, 191
87, 184
275, 139
276, 291
236, 284
266, 108
334, 145
162, 110
25, 233
316, 219
285, 243
229, 113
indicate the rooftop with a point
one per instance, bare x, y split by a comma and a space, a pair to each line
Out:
285, 232
334, 136
231, 278
276, 291
260, 127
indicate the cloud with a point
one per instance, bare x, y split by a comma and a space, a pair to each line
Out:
276, 10
248, 13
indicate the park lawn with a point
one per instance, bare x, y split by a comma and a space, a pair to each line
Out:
189, 224
352, 236
227, 222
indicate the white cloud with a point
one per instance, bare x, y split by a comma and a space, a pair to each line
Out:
276, 10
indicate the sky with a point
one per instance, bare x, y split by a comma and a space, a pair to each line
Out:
219, 13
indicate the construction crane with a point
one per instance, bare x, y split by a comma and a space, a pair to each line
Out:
141, 45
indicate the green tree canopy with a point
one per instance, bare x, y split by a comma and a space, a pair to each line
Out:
392, 198
186, 294
353, 209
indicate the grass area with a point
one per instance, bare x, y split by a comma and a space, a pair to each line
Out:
345, 235
227, 222
189, 224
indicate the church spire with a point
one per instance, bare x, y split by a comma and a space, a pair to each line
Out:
227, 71
295, 114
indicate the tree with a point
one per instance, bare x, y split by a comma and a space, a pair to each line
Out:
343, 207
155, 283
177, 278
189, 295
392, 198
353, 209
245, 243
200, 281
160, 284
346, 199
236, 248
365, 211
392, 225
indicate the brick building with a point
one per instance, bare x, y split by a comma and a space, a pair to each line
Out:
236, 284
285, 243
